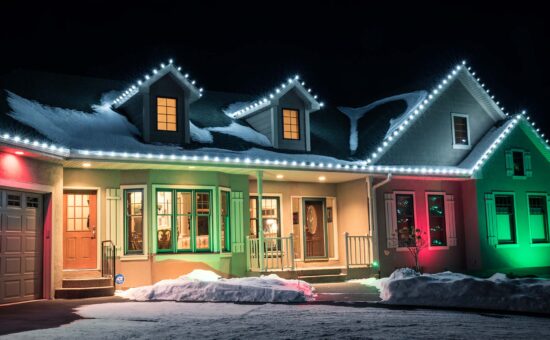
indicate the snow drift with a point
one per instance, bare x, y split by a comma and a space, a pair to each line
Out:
447, 289
203, 285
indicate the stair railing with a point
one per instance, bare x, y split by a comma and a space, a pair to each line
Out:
108, 258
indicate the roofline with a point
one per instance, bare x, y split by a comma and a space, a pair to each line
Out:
450, 78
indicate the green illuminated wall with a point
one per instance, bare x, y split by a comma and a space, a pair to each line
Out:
493, 178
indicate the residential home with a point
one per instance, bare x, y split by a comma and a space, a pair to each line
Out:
151, 180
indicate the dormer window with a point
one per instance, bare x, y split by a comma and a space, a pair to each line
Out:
166, 114
461, 131
291, 124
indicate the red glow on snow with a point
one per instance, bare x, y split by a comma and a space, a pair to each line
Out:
14, 168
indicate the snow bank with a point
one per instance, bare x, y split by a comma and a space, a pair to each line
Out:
200, 135
206, 286
243, 132
447, 289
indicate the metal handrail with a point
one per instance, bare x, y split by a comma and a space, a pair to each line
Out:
108, 260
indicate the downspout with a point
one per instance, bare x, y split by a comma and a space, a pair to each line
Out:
373, 219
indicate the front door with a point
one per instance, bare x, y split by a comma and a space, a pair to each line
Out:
79, 229
315, 232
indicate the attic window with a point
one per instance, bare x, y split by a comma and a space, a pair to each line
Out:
166, 114
461, 133
291, 125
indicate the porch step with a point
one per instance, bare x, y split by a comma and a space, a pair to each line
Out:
326, 278
316, 272
87, 282
82, 293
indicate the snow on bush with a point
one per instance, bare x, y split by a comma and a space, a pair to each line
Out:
243, 132
202, 285
447, 289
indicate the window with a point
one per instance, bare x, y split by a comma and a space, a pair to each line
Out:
518, 163
133, 221
78, 212
291, 125
32, 202
517, 158
436, 220
538, 218
225, 221
461, 134
166, 114
270, 216
14, 200
406, 230
506, 224
183, 220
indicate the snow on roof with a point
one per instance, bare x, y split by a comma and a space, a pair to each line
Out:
412, 99
240, 110
196, 93
244, 132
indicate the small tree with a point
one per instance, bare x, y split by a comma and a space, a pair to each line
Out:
415, 244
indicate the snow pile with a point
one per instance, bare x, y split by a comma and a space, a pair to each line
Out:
201, 285
243, 132
412, 99
200, 135
447, 289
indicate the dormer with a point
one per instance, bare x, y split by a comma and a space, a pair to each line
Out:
158, 105
283, 115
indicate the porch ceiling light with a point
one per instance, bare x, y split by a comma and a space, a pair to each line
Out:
322, 178
86, 164
280, 176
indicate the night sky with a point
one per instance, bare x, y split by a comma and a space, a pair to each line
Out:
351, 53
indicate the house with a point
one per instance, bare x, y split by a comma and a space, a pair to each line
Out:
156, 178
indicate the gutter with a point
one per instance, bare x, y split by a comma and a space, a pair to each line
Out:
373, 218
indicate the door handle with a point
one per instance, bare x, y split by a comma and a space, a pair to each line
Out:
93, 233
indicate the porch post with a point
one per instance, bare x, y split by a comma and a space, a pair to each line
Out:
259, 190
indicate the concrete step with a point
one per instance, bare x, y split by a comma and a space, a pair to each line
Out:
327, 278
315, 272
87, 282
82, 293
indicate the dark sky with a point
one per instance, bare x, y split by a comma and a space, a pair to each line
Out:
350, 52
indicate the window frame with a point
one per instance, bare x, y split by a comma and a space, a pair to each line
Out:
126, 252
121, 234
444, 195
516, 240
297, 123
213, 211
456, 145
394, 215
166, 114
279, 199
547, 241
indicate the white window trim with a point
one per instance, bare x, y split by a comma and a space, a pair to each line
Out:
440, 193
539, 244
121, 231
461, 146
394, 215
513, 194
300, 222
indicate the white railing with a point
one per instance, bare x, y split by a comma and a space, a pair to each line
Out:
277, 253
358, 251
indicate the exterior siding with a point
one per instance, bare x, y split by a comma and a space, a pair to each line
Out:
431, 260
262, 123
524, 256
429, 140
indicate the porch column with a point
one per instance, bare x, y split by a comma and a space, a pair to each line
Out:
259, 191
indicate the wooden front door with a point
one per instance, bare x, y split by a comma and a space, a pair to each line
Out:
315, 229
79, 230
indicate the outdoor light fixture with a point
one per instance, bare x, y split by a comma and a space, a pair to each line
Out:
86, 164
19, 153
280, 176
322, 178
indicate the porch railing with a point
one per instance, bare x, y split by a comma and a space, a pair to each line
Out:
358, 251
276, 253
108, 258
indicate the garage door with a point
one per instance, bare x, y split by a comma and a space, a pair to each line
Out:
21, 231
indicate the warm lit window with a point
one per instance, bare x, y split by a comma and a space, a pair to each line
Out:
291, 125
270, 216
185, 226
406, 230
166, 114
436, 219
538, 218
133, 221
506, 222
461, 137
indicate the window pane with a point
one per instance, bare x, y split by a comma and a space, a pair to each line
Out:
202, 232
184, 203
161, 101
184, 232
538, 219
291, 126
518, 163
164, 231
461, 130
171, 102
404, 205
166, 112
134, 221
164, 202
436, 211
203, 203
32, 202
505, 219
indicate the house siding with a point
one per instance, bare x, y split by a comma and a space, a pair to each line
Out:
431, 259
429, 140
493, 178
262, 122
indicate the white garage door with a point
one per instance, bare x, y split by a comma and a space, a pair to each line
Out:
21, 242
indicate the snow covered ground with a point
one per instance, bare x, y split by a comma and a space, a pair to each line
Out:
204, 285
447, 289
161, 320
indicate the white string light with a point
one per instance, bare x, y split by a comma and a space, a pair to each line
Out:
34, 145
